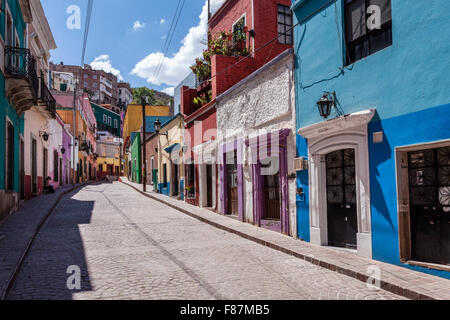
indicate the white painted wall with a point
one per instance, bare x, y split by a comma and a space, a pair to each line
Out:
266, 101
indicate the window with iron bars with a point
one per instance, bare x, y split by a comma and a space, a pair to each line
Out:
285, 25
362, 40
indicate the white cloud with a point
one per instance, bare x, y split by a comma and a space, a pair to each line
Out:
162, 21
103, 62
138, 25
176, 67
170, 91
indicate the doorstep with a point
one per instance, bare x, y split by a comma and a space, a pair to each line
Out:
396, 279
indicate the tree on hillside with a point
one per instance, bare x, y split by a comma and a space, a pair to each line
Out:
143, 91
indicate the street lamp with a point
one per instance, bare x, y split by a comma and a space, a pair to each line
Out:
326, 103
158, 126
45, 136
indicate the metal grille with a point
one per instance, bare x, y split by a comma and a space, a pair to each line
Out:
284, 24
20, 63
341, 177
429, 177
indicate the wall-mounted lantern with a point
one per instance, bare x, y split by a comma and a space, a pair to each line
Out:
63, 150
158, 126
326, 103
45, 136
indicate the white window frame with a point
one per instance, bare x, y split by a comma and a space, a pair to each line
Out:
244, 15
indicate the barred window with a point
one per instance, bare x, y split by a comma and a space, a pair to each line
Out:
362, 38
284, 25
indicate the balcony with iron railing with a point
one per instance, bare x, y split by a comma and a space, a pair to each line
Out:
22, 82
47, 98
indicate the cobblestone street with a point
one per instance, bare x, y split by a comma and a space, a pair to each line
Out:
131, 247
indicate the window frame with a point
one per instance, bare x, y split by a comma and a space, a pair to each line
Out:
366, 38
191, 195
285, 26
235, 41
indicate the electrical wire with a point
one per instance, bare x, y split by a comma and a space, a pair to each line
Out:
170, 41
86, 30
169, 38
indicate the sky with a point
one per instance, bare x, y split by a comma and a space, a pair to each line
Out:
126, 38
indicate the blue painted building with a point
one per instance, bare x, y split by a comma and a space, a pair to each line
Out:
17, 72
378, 178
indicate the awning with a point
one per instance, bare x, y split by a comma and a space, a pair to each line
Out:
172, 148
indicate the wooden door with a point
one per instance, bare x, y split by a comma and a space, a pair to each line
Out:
341, 199
272, 196
429, 189
232, 186
209, 186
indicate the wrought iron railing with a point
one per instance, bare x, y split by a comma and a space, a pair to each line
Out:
239, 44
20, 63
47, 98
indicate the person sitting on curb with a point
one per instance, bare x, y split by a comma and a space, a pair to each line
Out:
48, 188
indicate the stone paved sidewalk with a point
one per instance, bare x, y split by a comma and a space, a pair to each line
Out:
24, 222
398, 280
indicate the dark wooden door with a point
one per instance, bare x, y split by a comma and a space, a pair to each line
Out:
209, 185
429, 189
341, 199
232, 184
60, 173
272, 204
175, 182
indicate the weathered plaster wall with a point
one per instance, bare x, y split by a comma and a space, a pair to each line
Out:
266, 101
36, 122
54, 144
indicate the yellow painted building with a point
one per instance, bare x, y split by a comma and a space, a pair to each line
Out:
108, 161
170, 157
133, 123
133, 118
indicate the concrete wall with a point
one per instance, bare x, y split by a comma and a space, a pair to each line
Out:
36, 122
266, 101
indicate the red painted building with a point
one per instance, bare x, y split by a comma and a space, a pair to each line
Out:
254, 28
